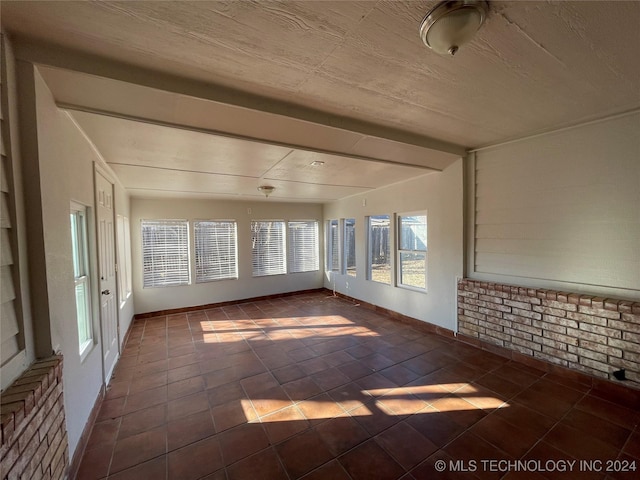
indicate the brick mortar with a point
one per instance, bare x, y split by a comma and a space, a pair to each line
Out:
586, 333
33, 428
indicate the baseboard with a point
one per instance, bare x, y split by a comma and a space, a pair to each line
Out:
602, 388
174, 311
74, 465
419, 325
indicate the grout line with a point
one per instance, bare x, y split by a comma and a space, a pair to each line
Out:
307, 310
541, 439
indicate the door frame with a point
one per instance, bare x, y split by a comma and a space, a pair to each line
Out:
100, 170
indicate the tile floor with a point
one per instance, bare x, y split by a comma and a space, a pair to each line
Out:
311, 386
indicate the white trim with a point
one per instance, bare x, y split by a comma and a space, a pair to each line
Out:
399, 251
83, 250
469, 214
391, 217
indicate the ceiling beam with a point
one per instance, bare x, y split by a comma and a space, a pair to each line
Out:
37, 52
77, 108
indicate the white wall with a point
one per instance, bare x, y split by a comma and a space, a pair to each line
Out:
440, 195
154, 299
66, 162
562, 210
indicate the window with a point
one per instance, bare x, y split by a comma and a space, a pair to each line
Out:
268, 248
412, 251
80, 252
349, 238
124, 258
216, 250
303, 246
379, 261
165, 253
333, 252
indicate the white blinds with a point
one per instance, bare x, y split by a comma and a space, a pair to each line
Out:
303, 246
165, 252
268, 248
333, 250
350, 246
216, 251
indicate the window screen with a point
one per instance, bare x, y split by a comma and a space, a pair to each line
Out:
412, 252
268, 248
165, 252
303, 246
350, 246
216, 250
379, 265
80, 248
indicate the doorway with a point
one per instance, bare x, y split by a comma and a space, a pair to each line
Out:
105, 216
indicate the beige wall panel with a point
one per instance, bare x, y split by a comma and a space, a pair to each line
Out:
562, 207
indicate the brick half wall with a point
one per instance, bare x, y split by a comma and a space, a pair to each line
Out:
593, 335
34, 435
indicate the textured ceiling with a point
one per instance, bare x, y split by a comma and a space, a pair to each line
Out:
534, 66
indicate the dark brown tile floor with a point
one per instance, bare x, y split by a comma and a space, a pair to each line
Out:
313, 387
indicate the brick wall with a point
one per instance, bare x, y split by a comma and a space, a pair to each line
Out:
591, 334
34, 436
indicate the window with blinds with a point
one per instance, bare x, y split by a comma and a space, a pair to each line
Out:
268, 248
350, 246
333, 252
165, 253
216, 250
303, 246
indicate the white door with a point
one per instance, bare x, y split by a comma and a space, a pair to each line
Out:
107, 271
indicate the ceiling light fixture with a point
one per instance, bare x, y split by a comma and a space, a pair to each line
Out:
266, 189
317, 163
451, 24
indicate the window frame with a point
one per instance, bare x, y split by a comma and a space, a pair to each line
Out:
186, 269
333, 263
231, 273
352, 272
314, 248
390, 237
400, 251
79, 215
282, 268
124, 259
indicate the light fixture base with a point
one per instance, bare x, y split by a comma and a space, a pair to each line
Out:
266, 189
451, 24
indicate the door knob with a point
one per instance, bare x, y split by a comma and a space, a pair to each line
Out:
106, 292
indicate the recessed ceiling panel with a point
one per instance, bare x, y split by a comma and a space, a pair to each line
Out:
130, 142
160, 182
317, 168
